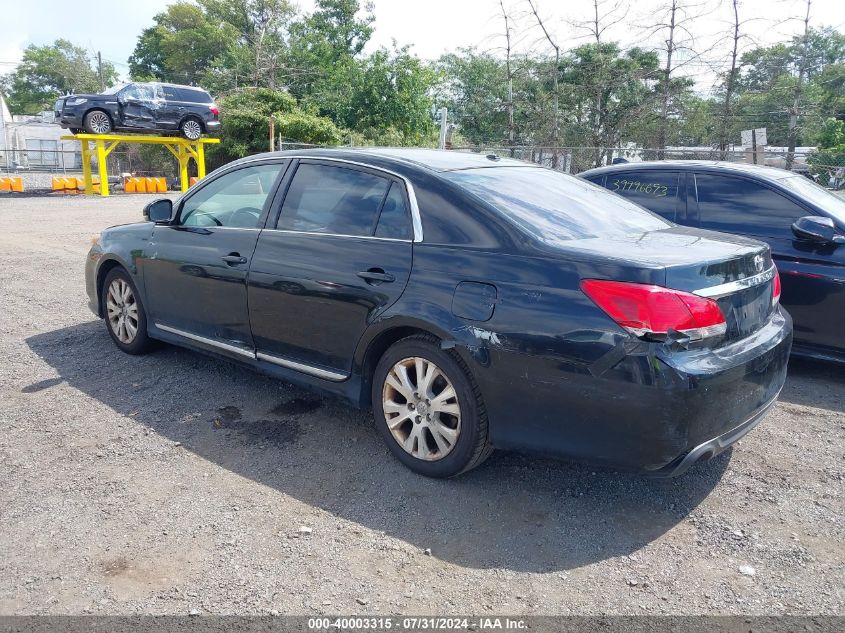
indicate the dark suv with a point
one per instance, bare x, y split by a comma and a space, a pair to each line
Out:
803, 223
141, 107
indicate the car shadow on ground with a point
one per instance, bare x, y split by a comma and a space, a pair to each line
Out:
514, 512
810, 384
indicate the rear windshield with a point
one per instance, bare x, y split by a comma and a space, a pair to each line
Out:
554, 207
818, 195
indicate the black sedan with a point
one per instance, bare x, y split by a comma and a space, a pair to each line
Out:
803, 223
141, 107
474, 302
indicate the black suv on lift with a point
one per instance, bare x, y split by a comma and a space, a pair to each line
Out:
141, 107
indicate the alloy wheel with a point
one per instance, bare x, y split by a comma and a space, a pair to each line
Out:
191, 129
99, 122
421, 408
122, 309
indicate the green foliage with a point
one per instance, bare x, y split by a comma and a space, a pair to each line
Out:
832, 134
245, 123
47, 72
302, 127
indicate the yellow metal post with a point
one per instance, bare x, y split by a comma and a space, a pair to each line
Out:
86, 168
200, 158
102, 167
182, 149
184, 157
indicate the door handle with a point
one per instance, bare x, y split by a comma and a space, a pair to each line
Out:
376, 276
233, 259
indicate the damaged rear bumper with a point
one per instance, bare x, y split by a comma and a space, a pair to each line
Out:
711, 448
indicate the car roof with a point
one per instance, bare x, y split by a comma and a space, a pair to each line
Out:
713, 166
429, 159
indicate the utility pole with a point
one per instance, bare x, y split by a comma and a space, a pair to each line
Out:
795, 111
100, 71
443, 114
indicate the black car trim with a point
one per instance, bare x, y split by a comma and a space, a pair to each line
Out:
302, 367
207, 341
714, 292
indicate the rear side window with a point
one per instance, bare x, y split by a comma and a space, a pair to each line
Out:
736, 205
394, 220
335, 200
655, 190
554, 207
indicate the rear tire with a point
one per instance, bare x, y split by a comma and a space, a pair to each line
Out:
124, 313
191, 128
97, 122
428, 408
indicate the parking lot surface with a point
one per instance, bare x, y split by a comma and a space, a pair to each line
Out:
176, 483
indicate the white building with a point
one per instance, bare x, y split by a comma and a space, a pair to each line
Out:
33, 143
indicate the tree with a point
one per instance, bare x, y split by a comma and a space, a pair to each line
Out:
182, 46
325, 44
803, 61
245, 121
47, 72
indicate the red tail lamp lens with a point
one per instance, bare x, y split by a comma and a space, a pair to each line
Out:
646, 309
215, 110
776, 288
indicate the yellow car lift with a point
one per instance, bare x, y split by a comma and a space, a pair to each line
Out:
183, 149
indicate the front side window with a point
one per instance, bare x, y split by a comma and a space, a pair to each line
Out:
737, 205
553, 207
235, 199
655, 190
337, 200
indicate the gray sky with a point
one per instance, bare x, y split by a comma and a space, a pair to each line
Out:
431, 26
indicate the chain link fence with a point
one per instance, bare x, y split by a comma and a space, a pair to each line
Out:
37, 167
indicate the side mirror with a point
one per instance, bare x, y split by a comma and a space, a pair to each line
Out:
159, 211
816, 228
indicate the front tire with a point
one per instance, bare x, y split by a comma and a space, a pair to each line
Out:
428, 409
97, 122
191, 129
124, 313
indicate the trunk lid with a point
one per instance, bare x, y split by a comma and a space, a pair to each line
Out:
734, 271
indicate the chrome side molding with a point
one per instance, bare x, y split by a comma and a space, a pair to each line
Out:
319, 372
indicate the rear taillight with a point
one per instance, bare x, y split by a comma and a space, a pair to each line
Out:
215, 110
654, 311
776, 288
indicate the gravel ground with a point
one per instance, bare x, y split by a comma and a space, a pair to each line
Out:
173, 483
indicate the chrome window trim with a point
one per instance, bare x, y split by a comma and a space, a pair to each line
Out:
357, 237
416, 221
412, 196
302, 367
208, 341
714, 292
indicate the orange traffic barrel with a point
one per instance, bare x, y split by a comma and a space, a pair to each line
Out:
129, 185
140, 185
192, 181
161, 184
5, 184
152, 185
17, 183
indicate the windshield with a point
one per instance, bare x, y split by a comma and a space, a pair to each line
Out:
114, 89
554, 207
818, 195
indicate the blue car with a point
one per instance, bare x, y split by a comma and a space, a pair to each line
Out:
803, 223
